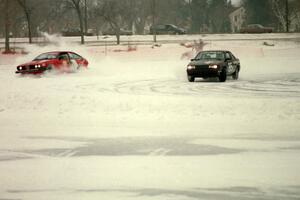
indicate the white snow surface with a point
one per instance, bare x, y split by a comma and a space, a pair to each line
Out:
132, 127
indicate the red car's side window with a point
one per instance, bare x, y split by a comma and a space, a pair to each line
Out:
75, 56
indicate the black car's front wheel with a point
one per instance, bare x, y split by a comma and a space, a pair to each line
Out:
223, 76
235, 75
191, 78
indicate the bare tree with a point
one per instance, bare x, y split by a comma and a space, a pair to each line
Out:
7, 23
200, 16
259, 12
112, 11
154, 19
77, 6
281, 11
133, 14
54, 11
85, 18
218, 15
287, 20
27, 12
137, 14
295, 15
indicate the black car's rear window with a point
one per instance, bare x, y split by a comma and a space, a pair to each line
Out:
46, 56
211, 55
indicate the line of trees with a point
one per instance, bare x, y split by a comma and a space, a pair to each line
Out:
277, 13
26, 18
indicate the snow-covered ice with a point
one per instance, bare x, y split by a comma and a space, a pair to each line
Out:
133, 127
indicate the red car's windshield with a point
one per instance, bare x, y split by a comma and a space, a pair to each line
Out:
46, 56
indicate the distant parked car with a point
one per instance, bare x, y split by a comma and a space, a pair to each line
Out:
113, 32
256, 28
167, 29
65, 61
90, 32
214, 64
71, 32
75, 32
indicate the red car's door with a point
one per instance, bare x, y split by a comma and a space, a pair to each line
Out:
55, 63
79, 60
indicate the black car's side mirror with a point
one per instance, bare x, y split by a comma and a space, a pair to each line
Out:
227, 59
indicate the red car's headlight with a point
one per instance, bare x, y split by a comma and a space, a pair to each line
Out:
20, 68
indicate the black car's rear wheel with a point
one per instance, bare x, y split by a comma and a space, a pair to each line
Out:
223, 76
235, 75
191, 78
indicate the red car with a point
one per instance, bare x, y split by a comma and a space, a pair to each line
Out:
58, 60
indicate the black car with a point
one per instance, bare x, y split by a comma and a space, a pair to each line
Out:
167, 29
71, 32
74, 32
113, 32
214, 64
256, 28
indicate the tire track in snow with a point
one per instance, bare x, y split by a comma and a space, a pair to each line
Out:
290, 88
287, 87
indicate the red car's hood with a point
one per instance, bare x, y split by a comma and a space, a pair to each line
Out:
36, 62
